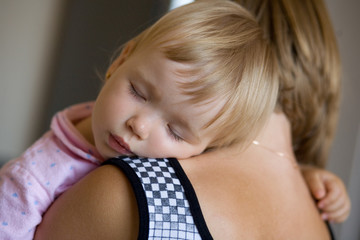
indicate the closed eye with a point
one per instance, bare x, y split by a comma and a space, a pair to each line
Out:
174, 135
135, 93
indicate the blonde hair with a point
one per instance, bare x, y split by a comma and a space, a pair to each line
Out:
225, 48
305, 45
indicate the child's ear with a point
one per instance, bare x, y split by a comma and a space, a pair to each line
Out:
120, 59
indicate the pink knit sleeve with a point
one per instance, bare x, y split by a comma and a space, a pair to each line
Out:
20, 209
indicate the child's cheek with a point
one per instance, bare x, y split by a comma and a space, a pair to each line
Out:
160, 145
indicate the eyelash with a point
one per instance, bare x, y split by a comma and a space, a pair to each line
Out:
135, 93
174, 135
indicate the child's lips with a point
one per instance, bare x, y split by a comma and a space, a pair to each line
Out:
119, 145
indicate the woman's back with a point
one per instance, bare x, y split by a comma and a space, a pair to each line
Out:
258, 193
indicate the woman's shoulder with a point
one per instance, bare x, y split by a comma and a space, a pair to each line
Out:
100, 206
239, 197
257, 193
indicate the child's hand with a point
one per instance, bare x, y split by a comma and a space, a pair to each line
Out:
329, 191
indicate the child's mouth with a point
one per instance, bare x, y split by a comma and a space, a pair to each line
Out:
119, 145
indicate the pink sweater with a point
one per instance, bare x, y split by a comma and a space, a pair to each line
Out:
30, 183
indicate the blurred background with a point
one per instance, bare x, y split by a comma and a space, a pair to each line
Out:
53, 54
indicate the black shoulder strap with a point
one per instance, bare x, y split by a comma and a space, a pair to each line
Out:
168, 206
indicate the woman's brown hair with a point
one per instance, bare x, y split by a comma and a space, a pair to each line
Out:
302, 36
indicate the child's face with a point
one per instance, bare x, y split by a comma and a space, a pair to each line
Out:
142, 111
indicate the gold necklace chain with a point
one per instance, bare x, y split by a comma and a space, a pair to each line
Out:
278, 153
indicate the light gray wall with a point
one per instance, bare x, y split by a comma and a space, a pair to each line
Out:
345, 154
27, 41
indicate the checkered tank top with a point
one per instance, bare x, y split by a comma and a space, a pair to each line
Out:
167, 203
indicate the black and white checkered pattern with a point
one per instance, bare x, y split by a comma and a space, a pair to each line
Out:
169, 210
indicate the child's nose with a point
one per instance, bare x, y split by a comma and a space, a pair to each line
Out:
140, 126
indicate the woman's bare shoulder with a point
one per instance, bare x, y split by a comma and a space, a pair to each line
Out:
100, 206
254, 194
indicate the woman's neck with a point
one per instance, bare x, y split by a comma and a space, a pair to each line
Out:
276, 136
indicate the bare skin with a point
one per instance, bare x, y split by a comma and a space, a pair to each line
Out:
253, 194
